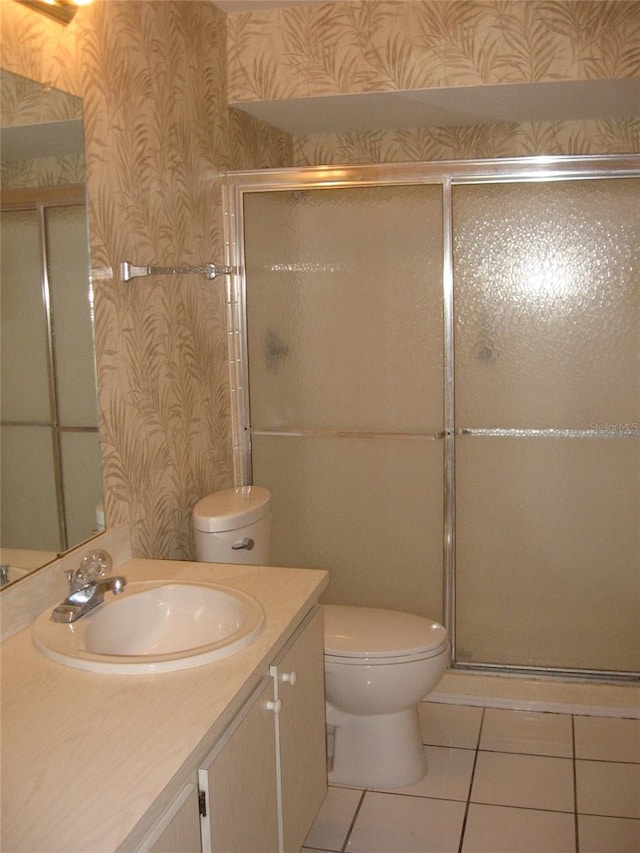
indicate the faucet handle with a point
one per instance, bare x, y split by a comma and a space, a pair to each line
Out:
94, 565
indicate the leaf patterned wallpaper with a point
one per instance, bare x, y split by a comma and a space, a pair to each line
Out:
382, 45
24, 103
159, 137
508, 139
43, 172
154, 77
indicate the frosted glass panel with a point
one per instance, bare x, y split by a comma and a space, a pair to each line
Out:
547, 304
29, 515
548, 551
344, 316
82, 482
25, 389
71, 310
368, 511
344, 308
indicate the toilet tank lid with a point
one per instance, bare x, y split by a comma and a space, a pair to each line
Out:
374, 631
231, 508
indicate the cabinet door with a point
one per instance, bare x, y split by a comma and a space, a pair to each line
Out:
239, 779
302, 733
178, 828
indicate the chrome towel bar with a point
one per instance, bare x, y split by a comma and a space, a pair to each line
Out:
129, 271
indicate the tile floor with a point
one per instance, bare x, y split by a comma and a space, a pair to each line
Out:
499, 782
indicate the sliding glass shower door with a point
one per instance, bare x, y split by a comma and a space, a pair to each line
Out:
437, 374
345, 355
547, 394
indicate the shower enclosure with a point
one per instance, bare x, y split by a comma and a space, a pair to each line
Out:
436, 371
51, 464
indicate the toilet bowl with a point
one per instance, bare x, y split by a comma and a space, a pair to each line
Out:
378, 665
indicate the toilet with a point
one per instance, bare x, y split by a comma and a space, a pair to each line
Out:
233, 526
378, 665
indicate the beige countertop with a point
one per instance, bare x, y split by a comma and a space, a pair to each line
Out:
86, 756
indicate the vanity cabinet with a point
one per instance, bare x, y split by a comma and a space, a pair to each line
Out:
244, 733
239, 782
301, 733
265, 780
179, 828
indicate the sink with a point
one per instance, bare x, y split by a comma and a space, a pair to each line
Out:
153, 627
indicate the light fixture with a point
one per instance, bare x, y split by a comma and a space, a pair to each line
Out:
60, 10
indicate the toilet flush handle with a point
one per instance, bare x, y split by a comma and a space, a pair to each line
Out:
243, 544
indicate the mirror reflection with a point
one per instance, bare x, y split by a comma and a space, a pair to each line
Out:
51, 478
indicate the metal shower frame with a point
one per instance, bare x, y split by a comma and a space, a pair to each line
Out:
447, 174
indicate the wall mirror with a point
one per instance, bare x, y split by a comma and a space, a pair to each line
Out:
51, 477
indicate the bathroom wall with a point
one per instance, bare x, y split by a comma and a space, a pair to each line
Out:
153, 77
319, 50
505, 139
159, 137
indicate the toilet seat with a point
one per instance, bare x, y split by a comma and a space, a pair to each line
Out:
372, 635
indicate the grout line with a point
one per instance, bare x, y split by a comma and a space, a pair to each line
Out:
477, 750
532, 754
473, 773
575, 784
352, 824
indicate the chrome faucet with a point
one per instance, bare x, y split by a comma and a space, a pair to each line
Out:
84, 599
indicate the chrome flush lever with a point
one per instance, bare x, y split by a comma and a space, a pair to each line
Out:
243, 544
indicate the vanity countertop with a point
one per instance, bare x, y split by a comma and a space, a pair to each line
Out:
86, 756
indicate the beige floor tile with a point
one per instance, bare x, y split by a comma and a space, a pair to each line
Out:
497, 829
604, 788
394, 823
607, 739
618, 834
450, 725
331, 826
448, 775
527, 781
527, 732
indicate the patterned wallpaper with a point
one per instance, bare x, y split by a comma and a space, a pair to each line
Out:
509, 139
43, 172
24, 103
159, 137
383, 45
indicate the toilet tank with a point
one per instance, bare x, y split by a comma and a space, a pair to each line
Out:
234, 526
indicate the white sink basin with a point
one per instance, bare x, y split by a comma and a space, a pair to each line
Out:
153, 627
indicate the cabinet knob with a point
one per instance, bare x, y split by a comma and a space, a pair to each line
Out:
274, 706
289, 677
